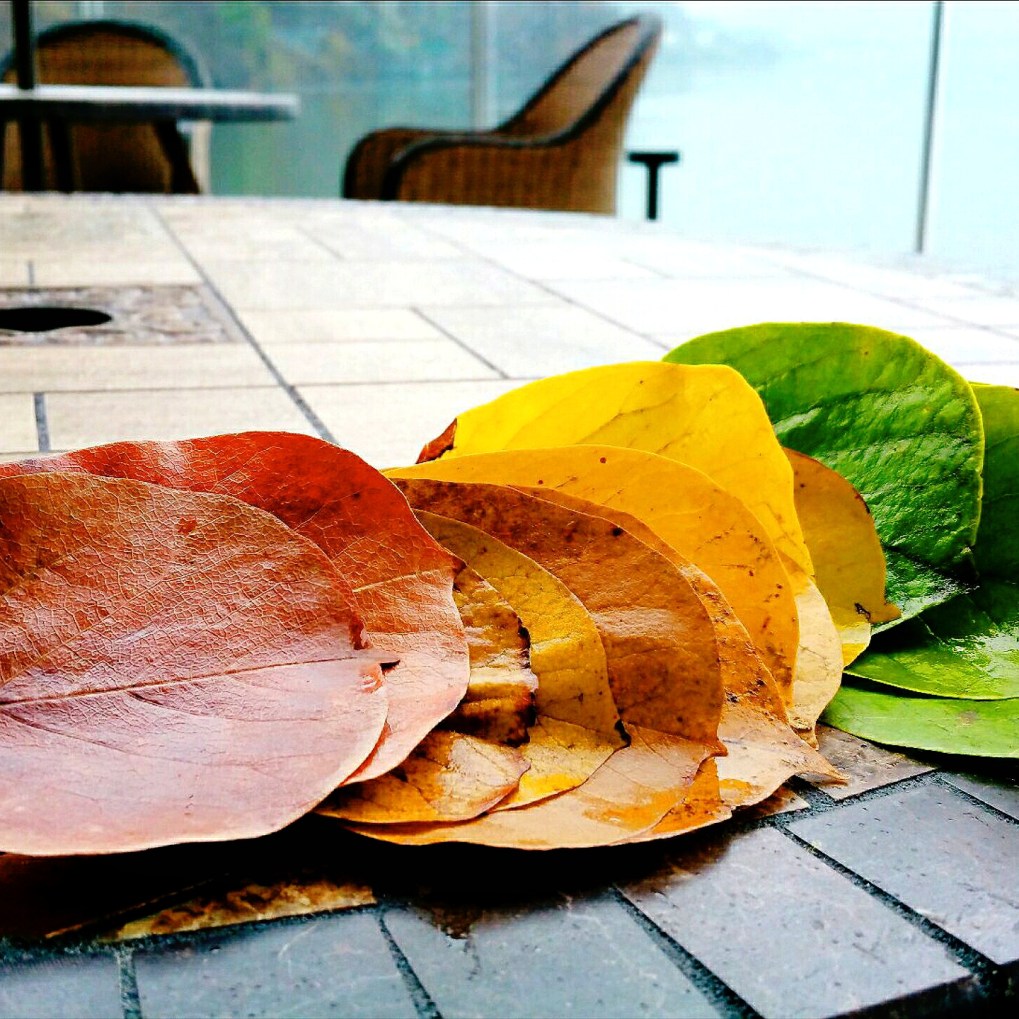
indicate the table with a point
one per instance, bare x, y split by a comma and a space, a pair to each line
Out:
373, 325
61, 105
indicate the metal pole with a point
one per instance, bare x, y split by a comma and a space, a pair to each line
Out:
934, 68
481, 62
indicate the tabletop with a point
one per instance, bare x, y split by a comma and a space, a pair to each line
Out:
123, 104
372, 325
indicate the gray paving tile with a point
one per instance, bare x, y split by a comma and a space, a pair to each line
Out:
328, 966
571, 957
939, 853
82, 986
999, 791
787, 933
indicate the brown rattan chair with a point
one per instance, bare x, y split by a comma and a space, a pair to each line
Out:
114, 157
560, 151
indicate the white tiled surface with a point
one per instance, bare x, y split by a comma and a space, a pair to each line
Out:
377, 323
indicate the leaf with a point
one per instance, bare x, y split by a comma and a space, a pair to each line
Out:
659, 644
627, 796
969, 647
249, 903
155, 686
845, 549
402, 579
471, 764
706, 417
945, 724
575, 731
682, 506
762, 751
818, 664
448, 777
890, 417
499, 702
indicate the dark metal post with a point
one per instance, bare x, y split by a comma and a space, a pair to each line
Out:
933, 73
653, 162
29, 128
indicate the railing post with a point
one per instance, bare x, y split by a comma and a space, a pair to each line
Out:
933, 74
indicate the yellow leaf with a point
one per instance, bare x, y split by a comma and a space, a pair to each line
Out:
845, 549
706, 416
818, 664
681, 505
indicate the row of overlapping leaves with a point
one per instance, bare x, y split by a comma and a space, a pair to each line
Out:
613, 614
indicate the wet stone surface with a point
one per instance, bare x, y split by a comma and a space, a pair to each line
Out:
571, 956
939, 853
787, 933
83, 986
325, 966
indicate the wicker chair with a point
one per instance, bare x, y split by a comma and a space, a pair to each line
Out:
560, 151
114, 157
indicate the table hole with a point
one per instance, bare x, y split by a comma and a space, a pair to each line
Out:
41, 319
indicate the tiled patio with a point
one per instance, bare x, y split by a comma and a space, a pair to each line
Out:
373, 326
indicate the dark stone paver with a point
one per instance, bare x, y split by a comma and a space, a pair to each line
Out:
937, 852
78, 986
787, 933
1000, 792
328, 966
572, 957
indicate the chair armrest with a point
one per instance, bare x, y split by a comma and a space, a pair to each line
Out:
371, 156
471, 169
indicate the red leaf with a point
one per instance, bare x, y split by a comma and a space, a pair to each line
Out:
173, 667
402, 578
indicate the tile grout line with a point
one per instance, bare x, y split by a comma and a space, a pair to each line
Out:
42, 424
543, 287
990, 808
716, 990
129, 997
295, 397
917, 305
424, 1006
462, 344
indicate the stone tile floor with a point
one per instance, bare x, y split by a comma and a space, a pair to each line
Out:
373, 326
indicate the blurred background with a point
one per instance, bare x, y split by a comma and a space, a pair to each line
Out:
799, 123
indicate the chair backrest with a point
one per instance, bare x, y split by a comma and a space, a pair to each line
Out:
104, 52
588, 81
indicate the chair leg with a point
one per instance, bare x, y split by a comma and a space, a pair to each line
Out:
182, 177
59, 132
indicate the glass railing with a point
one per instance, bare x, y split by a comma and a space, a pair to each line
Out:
799, 123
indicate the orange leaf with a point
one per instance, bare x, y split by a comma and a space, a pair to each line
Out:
402, 579
174, 666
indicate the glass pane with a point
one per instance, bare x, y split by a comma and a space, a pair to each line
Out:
356, 66
974, 214
797, 122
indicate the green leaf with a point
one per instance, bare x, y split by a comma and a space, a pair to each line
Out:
888, 415
947, 725
969, 647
